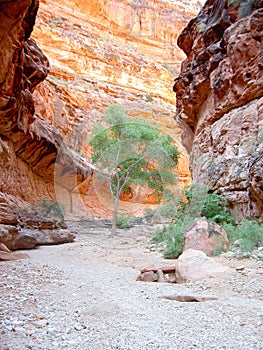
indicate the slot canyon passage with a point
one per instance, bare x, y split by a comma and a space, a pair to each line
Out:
194, 69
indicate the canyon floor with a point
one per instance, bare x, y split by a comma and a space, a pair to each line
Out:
84, 295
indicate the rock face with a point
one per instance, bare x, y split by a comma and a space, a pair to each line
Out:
32, 150
206, 236
220, 97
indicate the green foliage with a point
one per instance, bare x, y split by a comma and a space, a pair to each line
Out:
172, 236
125, 148
124, 221
149, 98
132, 151
249, 233
53, 209
42, 212
193, 202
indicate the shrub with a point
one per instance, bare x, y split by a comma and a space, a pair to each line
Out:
249, 233
172, 237
196, 202
149, 97
124, 221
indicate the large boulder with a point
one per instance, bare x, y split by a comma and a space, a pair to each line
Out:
23, 238
6, 254
194, 265
207, 236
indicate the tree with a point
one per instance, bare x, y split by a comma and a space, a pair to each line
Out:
131, 151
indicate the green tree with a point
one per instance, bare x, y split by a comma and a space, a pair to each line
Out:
131, 151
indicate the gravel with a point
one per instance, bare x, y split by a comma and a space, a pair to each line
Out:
84, 295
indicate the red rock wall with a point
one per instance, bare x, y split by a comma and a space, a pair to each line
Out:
220, 96
29, 145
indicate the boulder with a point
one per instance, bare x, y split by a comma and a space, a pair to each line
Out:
12, 256
148, 276
194, 265
207, 236
6, 254
15, 238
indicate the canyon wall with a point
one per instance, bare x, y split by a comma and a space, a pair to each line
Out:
29, 145
98, 52
104, 52
220, 97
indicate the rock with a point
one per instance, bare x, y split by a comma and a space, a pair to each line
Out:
12, 256
219, 96
157, 274
149, 276
189, 298
108, 307
206, 236
161, 276
3, 248
194, 265
240, 268
15, 238
6, 254
164, 269
30, 147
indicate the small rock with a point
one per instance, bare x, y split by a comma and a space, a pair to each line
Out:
148, 277
52, 331
78, 327
240, 268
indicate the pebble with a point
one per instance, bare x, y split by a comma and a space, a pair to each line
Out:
115, 312
52, 331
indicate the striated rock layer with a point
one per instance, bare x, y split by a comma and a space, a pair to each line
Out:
29, 144
110, 51
220, 97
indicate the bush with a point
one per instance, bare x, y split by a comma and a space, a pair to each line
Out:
124, 221
172, 236
249, 233
214, 207
196, 202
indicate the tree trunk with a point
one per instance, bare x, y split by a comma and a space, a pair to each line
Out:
115, 213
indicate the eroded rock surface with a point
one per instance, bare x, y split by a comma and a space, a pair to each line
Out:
29, 145
25, 226
220, 96
207, 236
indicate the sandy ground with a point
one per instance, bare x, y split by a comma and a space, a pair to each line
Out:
84, 296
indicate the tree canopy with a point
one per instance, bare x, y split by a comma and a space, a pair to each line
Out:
130, 151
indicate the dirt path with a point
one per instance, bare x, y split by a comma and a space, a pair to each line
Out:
85, 296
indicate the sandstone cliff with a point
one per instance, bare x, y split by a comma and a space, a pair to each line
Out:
102, 52
220, 96
29, 145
